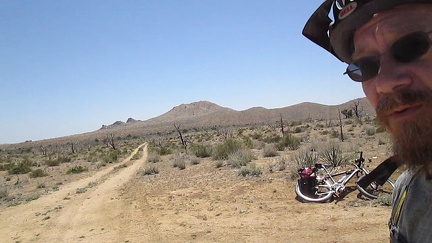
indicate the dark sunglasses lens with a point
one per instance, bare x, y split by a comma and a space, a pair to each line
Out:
363, 69
410, 47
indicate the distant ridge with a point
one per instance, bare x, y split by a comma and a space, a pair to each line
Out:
205, 114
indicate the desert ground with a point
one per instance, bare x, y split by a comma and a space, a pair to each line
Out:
200, 203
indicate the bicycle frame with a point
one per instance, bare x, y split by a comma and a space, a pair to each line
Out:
327, 183
339, 185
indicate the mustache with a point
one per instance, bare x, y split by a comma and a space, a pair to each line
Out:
405, 97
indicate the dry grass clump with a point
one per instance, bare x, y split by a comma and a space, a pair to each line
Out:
150, 170
250, 170
270, 151
153, 157
240, 158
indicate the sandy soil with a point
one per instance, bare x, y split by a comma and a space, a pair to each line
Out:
198, 204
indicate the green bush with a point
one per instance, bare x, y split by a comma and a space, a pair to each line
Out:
23, 167
112, 156
180, 164
179, 161
76, 170
51, 162
380, 129
153, 157
151, 170
194, 161
333, 155
280, 165
306, 158
222, 151
201, 151
219, 164
370, 131
3, 193
251, 170
334, 134
240, 158
270, 151
298, 130
38, 173
289, 141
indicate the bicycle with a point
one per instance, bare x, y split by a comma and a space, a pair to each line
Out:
320, 184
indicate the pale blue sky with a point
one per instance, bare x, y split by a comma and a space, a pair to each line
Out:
67, 67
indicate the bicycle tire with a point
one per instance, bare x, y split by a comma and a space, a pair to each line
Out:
375, 191
322, 194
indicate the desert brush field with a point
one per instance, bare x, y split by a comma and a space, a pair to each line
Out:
202, 184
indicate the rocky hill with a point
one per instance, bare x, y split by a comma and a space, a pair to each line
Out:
204, 114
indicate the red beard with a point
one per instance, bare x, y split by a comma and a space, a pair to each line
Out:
412, 138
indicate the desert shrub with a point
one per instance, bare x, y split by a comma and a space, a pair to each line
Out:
3, 193
250, 170
76, 170
384, 201
370, 131
332, 154
272, 139
380, 129
58, 160
298, 130
248, 142
138, 155
219, 164
306, 158
270, 151
38, 173
291, 142
7, 166
382, 141
295, 123
111, 157
164, 150
80, 190
201, 151
240, 158
153, 157
180, 164
161, 149
194, 161
150, 170
349, 122
22, 167
41, 185
179, 161
52, 162
222, 151
325, 132
256, 136
334, 133
280, 165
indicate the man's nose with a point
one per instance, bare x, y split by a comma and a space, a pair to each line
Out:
392, 76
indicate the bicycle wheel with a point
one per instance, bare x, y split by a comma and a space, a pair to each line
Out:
374, 190
320, 193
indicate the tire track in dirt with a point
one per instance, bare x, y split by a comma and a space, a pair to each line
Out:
96, 215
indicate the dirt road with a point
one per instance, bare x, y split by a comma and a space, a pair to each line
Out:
86, 210
197, 204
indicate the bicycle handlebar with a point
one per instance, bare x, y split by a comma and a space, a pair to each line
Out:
381, 173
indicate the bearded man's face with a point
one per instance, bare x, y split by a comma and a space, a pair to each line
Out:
411, 137
401, 92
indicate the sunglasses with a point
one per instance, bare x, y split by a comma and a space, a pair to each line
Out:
405, 50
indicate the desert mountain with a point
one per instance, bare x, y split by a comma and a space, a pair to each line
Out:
204, 114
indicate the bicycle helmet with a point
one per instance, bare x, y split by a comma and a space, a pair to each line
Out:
336, 36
